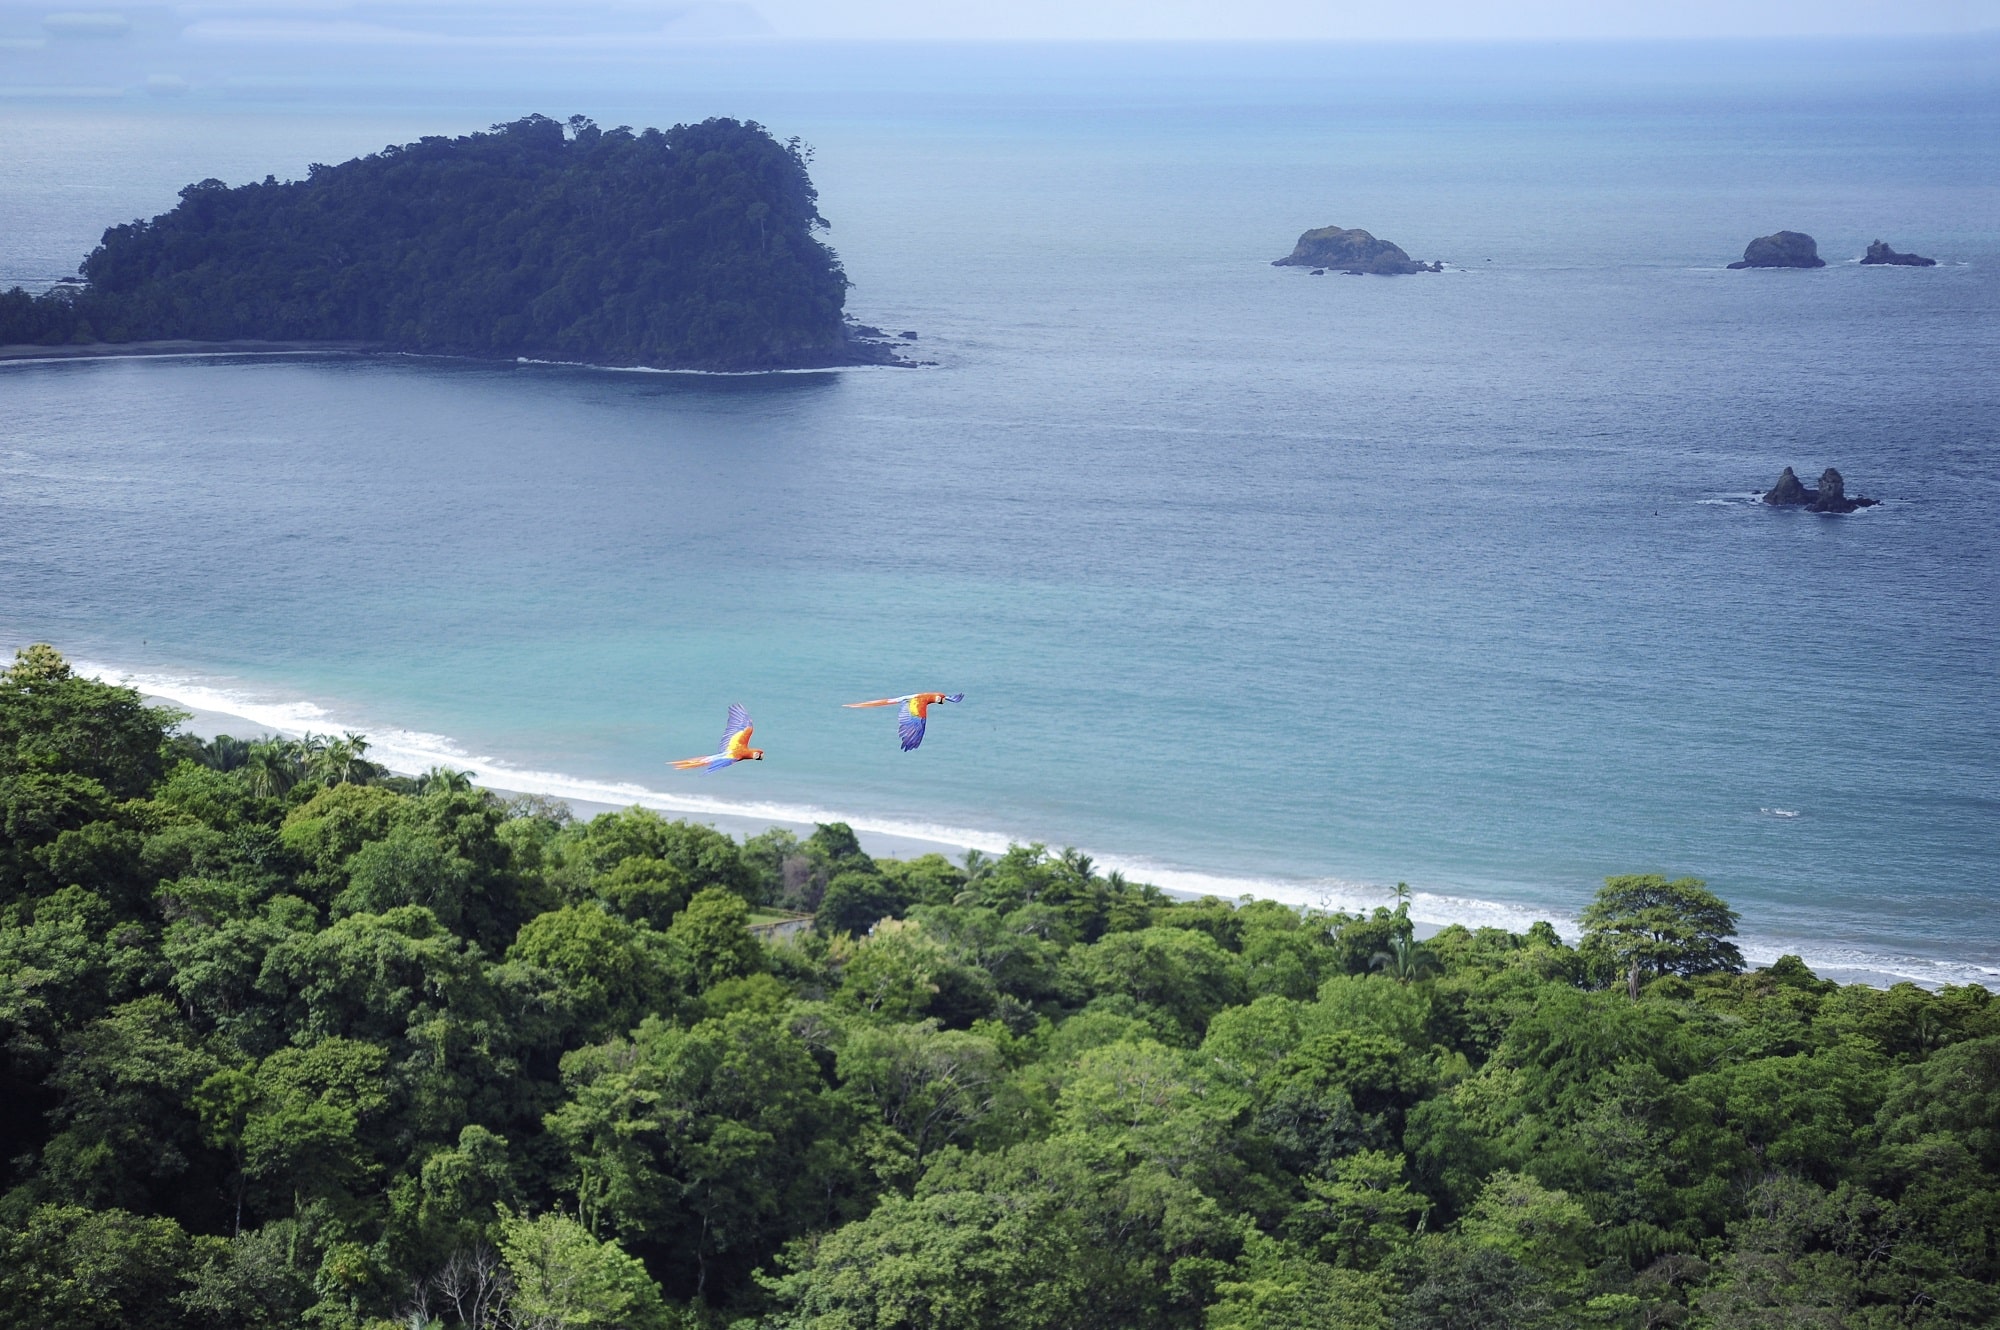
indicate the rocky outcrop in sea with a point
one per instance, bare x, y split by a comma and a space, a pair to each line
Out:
1781, 249
1829, 497
1351, 250
1879, 253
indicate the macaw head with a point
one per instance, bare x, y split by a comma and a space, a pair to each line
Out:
756, 755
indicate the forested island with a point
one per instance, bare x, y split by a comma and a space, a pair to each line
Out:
693, 247
290, 1041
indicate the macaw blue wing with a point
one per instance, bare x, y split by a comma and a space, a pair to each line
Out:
910, 726
739, 721
954, 697
717, 763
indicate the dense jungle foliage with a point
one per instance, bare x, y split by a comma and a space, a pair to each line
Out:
689, 247
293, 1042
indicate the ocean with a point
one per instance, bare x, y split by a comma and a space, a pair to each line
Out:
1255, 581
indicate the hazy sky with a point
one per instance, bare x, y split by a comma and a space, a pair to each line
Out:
1447, 19
503, 22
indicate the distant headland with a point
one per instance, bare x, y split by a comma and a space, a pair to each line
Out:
687, 248
1353, 251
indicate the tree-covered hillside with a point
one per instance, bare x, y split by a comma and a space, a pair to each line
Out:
689, 247
291, 1042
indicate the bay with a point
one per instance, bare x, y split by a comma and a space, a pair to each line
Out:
1255, 581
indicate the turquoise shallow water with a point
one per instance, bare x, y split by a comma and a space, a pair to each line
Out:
1255, 581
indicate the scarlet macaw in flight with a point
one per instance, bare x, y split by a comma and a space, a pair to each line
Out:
735, 745
910, 724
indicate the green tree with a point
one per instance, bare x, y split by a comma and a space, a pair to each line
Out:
259, 1280
646, 890
1467, 1286
51, 719
704, 856
565, 1279
599, 974
1184, 973
63, 1265
714, 933
296, 1120
271, 767
1276, 1287
1359, 1212
854, 903
893, 974
1652, 926
1405, 960
341, 761
1547, 1231
932, 1087
953, 1260
699, 1144
124, 1133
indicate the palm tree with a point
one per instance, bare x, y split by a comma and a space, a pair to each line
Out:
444, 780
341, 761
224, 753
1077, 862
1402, 895
271, 767
1405, 961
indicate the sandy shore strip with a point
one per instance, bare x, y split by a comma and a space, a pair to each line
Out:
207, 724
888, 845
27, 351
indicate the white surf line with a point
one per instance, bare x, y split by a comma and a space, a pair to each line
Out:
697, 373
411, 752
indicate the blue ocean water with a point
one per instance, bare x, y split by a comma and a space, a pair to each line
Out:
1255, 581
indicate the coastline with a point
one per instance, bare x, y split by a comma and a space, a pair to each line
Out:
406, 753
869, 353
29, 352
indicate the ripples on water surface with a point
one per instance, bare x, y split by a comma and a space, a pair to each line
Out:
1246, 574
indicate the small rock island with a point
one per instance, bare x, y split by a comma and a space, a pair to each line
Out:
1829, 497
1781, 249
1352, 251
1879, 253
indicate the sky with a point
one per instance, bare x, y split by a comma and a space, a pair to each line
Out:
265, 50
27, 27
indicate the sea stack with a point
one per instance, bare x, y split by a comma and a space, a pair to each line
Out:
1829, 497
1879, 253
1351, 251
1781, 249
1789, 492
